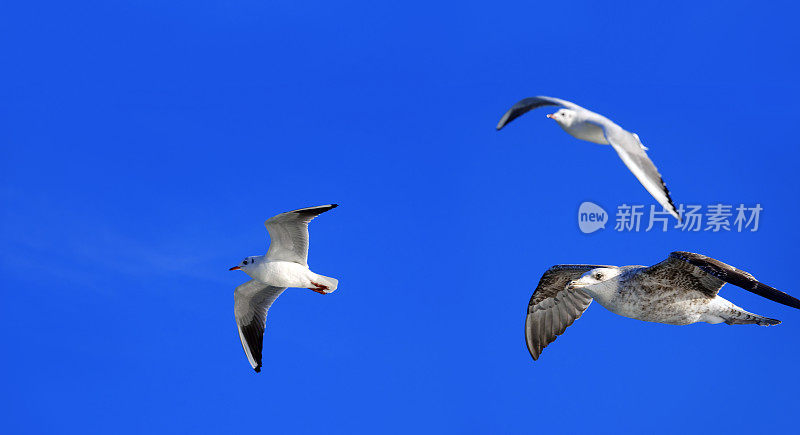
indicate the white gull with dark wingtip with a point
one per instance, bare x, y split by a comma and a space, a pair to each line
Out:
285, 265
592, 127
681, 290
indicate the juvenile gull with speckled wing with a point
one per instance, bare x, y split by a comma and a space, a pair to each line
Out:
681, 290
592, 127
285, 265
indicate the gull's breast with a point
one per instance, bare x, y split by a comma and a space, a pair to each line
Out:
588, 132
658, 303
284, 274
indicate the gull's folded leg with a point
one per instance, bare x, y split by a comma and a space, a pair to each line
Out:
319, 288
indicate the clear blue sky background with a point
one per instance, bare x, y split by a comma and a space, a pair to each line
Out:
144, 143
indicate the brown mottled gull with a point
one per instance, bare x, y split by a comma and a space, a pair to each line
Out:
681, 290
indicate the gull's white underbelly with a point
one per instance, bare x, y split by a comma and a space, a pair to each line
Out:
283, 274
661, 304
675, 313
588, 132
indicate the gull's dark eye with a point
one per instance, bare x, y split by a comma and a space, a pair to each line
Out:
598, 276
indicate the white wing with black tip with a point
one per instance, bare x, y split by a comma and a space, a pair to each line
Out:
288, 234
632, 152
525, 105
553, 308
251, 303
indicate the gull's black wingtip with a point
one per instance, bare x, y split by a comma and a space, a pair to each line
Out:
784, 298
315, 210
503, 122
258, 368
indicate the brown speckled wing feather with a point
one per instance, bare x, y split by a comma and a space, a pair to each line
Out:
711, 271
675, 272
553, 308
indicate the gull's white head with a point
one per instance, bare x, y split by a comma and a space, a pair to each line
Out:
245, 264
564, 117
595, 276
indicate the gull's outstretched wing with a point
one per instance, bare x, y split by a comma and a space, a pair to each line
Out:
527, 104
289, 234
709, 275
251, 302
553, 308
631, 151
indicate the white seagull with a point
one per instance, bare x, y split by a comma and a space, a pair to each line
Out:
589, 126
285, 265
681, 290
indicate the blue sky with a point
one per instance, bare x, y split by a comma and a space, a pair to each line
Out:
144, 143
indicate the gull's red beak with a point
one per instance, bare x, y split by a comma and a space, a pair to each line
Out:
551, 115
235, 268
